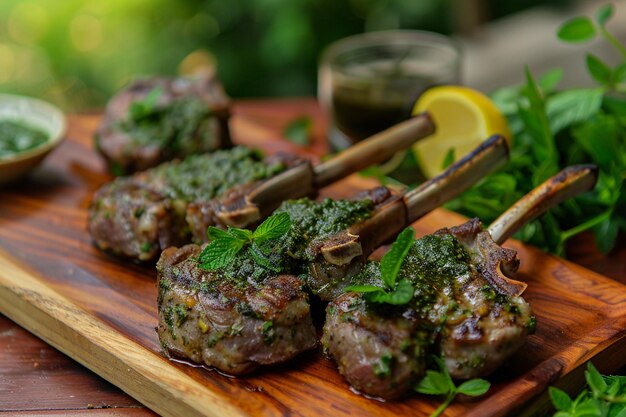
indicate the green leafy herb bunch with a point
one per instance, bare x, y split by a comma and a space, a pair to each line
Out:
554, 128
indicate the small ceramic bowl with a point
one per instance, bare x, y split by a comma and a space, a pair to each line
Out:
36, 113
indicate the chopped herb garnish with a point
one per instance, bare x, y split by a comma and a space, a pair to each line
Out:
268, 332
382, 368
181, 314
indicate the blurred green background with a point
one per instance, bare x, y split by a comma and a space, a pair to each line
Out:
76, 53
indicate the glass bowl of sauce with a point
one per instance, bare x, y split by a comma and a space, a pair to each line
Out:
29, 130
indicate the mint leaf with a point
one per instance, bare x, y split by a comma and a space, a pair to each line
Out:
440, 383
225, 245
364, 288
619, 73
401, 295
615, 105
434, 383
219, 253
214, 233
594, 379
392, 261
506, 98
273, 227
600, 137
604, 14
578, 29
598, 69
474, 387
299, 130
622, 412
550, 80
448, 159
241, 234
141, 109
572, 106
613, 387
560, 399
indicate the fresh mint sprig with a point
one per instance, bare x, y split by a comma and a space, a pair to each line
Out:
553, 128
225, 244
439, 382
583, 28
142, 109
396, 293
605, 396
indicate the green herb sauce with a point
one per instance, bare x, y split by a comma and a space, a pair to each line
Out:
432, 265
204, 177
181, 127
17, 137
319, 220
311, 222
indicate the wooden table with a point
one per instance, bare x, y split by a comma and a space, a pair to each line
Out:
36, 379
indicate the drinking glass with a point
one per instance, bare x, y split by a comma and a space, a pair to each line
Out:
369, 82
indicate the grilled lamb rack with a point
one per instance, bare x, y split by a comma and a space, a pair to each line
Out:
466, 306
138, 216
344, 254
253, 313
157, 119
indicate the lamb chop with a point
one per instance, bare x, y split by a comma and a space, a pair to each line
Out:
254, 310
465, 307
138, 216
157, 119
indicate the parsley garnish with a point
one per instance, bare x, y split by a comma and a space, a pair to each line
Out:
440, 383
225, 244
396, 293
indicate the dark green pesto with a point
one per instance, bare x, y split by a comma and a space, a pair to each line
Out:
311, 222
204, 177
432, 265
17, 137
327, 217
180, 127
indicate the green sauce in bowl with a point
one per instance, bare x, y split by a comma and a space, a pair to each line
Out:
29, 130
17, 137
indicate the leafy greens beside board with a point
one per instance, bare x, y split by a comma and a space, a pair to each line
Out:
554, 128
603, 396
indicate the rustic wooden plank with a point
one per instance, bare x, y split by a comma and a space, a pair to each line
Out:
74, 331
109, 412
35, 376
60, 287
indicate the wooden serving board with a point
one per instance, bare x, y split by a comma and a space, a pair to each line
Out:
102, 312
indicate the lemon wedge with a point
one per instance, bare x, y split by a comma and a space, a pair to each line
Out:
464, 118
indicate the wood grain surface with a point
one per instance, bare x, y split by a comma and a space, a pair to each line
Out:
102, 312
